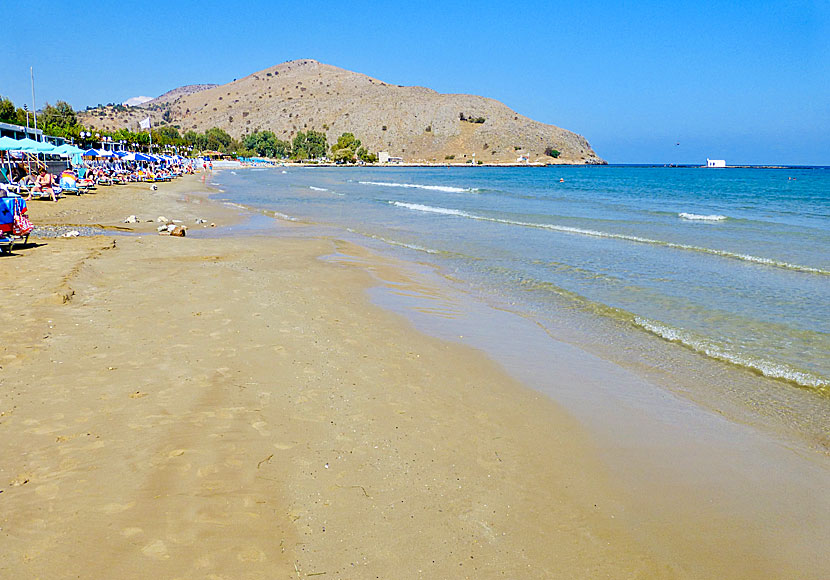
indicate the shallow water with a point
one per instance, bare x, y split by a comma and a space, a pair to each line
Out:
707, 482
732, 263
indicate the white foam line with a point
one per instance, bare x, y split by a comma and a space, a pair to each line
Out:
444, 188
395, 242
629, 238
702, 218
283, 216
317, 188
765, 367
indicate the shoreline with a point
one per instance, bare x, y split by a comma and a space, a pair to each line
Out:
190, 290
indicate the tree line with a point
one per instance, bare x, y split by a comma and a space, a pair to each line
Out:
60, 120
306, 145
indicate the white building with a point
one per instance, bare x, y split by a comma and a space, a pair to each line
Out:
383, 157
715, 162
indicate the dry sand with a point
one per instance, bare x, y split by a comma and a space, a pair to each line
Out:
236, 408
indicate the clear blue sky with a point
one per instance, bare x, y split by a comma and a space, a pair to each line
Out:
748, 81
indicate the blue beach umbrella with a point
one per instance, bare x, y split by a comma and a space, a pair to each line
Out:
32, 146
9, 144
67, 149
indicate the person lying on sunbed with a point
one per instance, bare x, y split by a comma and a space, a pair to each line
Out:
44, 183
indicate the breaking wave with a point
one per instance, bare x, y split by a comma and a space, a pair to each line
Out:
317, 188
702, 218
711, 349
444, 188
629, 238
396, 242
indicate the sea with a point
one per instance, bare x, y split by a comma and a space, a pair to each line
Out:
712, 282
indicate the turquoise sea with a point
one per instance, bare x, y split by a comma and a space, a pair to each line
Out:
732, 264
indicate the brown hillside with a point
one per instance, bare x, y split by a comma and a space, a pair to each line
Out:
171, 96
415, 123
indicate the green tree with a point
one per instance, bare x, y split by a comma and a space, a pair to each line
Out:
59, 117
345, 155
347, 141
364, 155
311, 145
218, 139
196, 140
345, 149
266, 144
8, 114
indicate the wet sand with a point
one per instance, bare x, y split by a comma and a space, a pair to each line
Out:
237, 408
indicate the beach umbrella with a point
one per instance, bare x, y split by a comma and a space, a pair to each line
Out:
91, 153
9, 144
71, 151
32, 146
67, 149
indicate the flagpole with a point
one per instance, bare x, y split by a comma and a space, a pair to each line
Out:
34, 108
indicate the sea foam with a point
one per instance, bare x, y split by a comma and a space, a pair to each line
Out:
395, 242
702, 218
637, 239
317, 188
444, 188
767, 368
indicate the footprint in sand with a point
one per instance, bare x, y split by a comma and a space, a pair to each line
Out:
156, 550
47, 491
260, 428
116, 508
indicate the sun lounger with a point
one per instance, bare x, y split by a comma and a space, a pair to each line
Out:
69, 184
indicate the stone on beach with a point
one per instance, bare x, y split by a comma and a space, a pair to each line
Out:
131, 220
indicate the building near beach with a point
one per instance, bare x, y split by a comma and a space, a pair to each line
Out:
19, 132
715, 162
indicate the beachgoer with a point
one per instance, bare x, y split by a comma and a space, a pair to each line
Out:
45, 182
210, 164
18, 172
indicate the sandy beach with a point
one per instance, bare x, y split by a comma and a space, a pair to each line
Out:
236, 407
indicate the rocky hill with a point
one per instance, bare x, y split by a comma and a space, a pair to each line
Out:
415, 123
171, 96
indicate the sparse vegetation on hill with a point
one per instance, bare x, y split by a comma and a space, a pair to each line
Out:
415, 123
